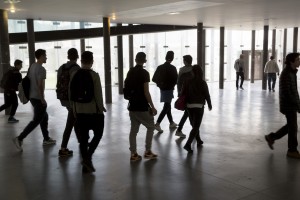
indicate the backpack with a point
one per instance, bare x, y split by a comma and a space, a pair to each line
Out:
82, 86
24, 87
5, 79
62, 86
129, 90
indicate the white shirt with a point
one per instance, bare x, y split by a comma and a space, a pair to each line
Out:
271, 67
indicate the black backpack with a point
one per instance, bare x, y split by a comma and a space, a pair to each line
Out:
5, 80
62, 86
82, 86
129, 89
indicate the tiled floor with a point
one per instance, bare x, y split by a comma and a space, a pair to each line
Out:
234, 162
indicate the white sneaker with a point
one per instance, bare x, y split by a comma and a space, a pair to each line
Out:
180, 134
173, 125
157, 127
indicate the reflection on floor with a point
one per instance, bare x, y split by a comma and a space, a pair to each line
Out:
234, 162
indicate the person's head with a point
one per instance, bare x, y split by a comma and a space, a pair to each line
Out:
292, 60
18, 64
40, 56
73, 54
197, 70
140, 58
87, 59
271, 57
170, 56
187, 60
242, 56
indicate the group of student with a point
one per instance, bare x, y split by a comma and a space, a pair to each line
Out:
86, 109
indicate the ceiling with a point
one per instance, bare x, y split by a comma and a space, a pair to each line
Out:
232, 14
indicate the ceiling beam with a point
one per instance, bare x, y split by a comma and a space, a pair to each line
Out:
48, 36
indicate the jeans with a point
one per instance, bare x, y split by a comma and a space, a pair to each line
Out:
291, 128
84, 123
68, 129
182, 121
195, 116
238, 75
271, 78
166, 111
10, 99
138, 118
40, 117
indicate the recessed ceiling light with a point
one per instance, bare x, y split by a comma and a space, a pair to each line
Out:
12, 10
11, 1
174, 13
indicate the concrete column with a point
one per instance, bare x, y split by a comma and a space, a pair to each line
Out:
131, 58
200, 44
120, 61
252, 56
4, 47
274, 44
295, 41
31, 41
265, 56
204, 53
82, 41
107, 59
221, 69
284, 46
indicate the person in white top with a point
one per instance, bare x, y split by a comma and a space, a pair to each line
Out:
271, 69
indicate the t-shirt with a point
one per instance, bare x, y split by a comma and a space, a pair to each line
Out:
137, 77
36, 73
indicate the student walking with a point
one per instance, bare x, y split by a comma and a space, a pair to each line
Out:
165, 77
9, 83
271, 69
37, 76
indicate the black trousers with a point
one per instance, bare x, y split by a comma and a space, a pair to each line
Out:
85, 123
238, 75
68, 129
10, 99
166, 111
195, 116
290, 129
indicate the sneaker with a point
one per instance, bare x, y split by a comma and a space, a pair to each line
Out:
273, 90
87, 166
49, 141
157, 127
149, 155
199, 143
65, 152
188, 148
180, 134
173, 125
12, 120
135, 157
293, 154
241, 88
18, 143
269, 141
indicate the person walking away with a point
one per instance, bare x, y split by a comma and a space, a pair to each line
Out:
185, 73
37, 76
9, 83
289, 104
271, 68
62, 87
140, 106
87, 103
165, 77
239, 68
197, 94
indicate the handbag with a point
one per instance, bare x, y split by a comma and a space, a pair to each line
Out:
180, 103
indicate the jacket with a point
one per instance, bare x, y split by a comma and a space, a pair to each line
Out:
185, 73
165, 76
288, 93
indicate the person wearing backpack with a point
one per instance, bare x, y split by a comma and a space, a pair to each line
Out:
62, 90
86, 99
9, 83
239, 68
37, 76
140, 106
